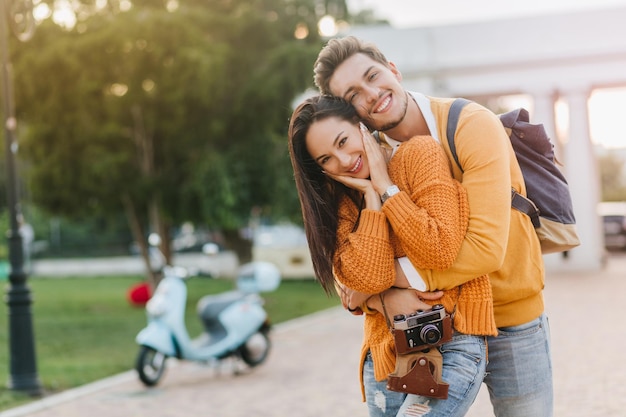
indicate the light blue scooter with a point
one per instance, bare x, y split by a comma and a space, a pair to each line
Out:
235, 322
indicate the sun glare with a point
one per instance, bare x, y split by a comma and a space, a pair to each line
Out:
327, 26
63, 14
606, 112
41, 12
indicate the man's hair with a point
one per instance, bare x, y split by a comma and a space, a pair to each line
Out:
335, 53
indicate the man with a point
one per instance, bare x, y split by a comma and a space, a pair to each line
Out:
500, 241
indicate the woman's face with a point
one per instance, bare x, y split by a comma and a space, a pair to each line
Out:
337, 147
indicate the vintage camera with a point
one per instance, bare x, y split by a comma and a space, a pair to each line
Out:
422, 329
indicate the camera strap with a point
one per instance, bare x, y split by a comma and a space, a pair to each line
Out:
456, 302
382, 302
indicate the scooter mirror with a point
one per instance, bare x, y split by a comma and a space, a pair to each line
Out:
154, 239
258, 276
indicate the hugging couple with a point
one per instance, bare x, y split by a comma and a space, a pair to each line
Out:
395, 228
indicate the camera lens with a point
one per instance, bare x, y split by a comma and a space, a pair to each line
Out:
430, 334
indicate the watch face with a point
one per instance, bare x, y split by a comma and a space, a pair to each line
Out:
391, 190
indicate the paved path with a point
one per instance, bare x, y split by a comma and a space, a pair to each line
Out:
587, 314
312, 371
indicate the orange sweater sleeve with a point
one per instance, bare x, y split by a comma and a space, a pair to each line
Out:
430, 217
485, 152
364, 259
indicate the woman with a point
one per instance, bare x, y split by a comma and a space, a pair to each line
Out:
354, 237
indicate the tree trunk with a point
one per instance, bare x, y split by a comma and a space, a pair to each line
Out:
241, 246
159, 226
145, 155
138, 235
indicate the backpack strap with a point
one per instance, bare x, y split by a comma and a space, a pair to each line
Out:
525, 205
518, 201
453, 121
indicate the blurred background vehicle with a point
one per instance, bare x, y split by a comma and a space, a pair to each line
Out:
614, 222
285, 246
188, 239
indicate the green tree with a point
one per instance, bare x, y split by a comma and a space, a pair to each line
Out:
167, 115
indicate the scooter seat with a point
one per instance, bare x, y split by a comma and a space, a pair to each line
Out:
209, 309
210, 306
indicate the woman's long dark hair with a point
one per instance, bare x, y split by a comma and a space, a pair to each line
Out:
319, 195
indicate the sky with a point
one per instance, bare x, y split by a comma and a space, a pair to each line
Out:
606, 107
410, 13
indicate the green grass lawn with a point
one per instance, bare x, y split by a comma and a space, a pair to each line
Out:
84, 328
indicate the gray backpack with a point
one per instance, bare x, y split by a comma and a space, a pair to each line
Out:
549, 203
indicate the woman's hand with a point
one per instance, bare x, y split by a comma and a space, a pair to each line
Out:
372, 198
377, 160
359, 184
350, 299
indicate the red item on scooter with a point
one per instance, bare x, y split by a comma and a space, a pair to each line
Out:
139, 294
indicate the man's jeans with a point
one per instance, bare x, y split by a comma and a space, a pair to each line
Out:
519, 372
464, 362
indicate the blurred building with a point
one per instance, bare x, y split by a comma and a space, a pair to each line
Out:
550, 60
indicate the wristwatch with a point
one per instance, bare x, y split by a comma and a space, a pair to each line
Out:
391, 190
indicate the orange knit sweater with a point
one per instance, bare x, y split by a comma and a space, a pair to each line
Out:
426, 222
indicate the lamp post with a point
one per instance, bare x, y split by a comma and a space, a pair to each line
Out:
23, 368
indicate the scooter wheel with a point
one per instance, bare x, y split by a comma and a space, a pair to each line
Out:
150, 365
255, 350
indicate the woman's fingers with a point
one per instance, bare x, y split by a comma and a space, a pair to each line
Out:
358, 184
377, 160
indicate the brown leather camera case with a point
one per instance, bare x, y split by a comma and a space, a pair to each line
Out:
421, 375
419, 369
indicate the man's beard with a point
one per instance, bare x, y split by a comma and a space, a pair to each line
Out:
395, 123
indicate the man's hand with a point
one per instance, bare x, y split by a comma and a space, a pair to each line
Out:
403, 301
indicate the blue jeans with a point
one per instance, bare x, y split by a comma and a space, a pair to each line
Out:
464, 362
519, 372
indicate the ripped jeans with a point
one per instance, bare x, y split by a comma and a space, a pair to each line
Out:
464, 363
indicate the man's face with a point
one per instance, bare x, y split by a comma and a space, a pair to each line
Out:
373, 89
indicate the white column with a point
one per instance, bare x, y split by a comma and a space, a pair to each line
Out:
544, 113
581, 172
